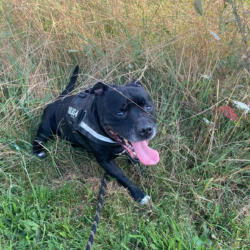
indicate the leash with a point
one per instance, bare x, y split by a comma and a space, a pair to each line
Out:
97, 215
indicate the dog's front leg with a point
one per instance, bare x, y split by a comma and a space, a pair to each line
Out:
111, 167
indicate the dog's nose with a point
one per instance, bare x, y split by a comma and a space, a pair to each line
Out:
145, 130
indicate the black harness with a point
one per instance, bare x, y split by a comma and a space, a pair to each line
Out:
81, 123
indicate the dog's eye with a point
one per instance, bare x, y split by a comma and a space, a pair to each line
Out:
119, 113
148, 108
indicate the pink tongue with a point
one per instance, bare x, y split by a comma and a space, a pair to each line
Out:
145, 154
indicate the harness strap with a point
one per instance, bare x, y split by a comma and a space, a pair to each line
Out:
94, 134
78, 120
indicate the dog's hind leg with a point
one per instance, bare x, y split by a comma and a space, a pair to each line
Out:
43, 133
48, 123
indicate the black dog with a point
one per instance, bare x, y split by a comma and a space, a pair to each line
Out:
107, 120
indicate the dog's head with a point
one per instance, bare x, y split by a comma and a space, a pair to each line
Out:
127, 114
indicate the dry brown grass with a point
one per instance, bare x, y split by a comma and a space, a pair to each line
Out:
115, 32
111, 25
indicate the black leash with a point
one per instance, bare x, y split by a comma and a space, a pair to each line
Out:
97, 215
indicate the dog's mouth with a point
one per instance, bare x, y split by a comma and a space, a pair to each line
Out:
138, 150
125, 143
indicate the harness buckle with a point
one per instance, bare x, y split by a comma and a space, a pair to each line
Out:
82, 94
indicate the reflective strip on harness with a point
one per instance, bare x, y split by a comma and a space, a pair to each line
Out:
95, 134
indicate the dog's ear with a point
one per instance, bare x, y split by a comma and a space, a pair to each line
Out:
135, 83
99, 88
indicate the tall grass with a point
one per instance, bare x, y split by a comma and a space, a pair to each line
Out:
200, 189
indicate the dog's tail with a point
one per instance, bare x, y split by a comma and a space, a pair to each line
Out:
71, 84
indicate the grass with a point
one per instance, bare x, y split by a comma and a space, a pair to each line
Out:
200, 188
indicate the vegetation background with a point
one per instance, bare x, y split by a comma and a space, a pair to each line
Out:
192, 57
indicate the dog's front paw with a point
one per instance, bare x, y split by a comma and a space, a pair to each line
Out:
41, 154
145, 200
